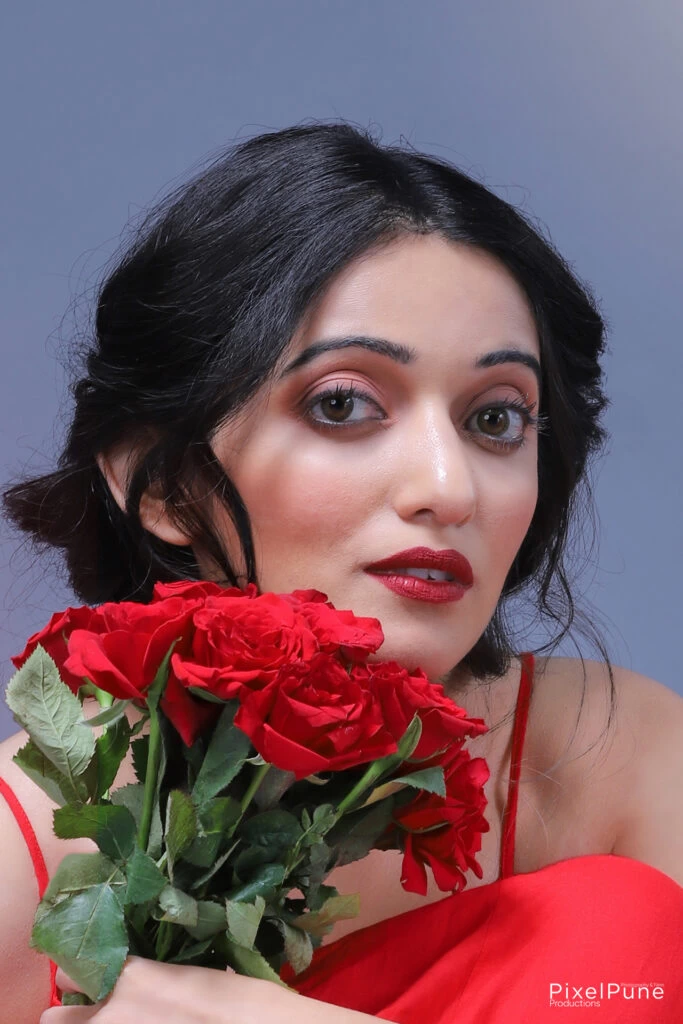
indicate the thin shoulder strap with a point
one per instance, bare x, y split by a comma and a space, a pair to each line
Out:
507, 847
38, 865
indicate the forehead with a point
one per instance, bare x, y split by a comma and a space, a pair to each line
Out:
423, 289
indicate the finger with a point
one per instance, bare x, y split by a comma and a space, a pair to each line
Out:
64, 982
68, 1015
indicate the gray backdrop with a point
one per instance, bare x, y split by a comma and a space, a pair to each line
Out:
573, 110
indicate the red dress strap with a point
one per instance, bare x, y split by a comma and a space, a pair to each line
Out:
507, 846
38, 866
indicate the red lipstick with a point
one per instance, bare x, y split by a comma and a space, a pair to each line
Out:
452, 572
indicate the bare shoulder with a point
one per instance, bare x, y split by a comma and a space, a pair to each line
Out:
24, 973
616, 747
633, 712
37, 807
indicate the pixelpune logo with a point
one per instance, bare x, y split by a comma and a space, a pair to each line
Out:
566, 994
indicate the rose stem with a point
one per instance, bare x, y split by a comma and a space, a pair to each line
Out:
258, 778
153, 761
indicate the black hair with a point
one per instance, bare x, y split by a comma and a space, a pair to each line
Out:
203, 303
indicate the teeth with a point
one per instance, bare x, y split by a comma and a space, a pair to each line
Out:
420, 574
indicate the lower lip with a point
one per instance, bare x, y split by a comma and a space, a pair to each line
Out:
436, 591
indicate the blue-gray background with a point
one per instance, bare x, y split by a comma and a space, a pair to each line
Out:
572, 110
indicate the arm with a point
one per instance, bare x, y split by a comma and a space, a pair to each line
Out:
651, 825
24, 973
170, 994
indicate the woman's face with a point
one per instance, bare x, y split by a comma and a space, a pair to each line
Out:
417, 448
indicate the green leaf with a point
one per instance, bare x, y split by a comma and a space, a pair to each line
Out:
216, 821
79, 871
178, 907
356, 834
139, 918
139, 748
275, 830
139, 725
252, 963
319, 897
203, 694
380, 769
213, 869
112, 828
324, 818
429, 779
211, 919
225, 755
145, 880
314, 869
51, 715
410, 739
109, 716
111, 748
75, 999
131, 797
386, 789
265, 882
336, 908
85, 934
249, 859
193, 952
273, 787
194, 757
88, 779
203, 850
181, 824
156, 690
298, 945
244, 920
60, 788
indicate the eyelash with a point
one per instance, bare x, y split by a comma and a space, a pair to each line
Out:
345, 392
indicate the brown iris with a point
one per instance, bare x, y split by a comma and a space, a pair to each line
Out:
496, 418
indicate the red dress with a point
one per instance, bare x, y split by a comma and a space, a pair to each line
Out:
598, 933
525, 949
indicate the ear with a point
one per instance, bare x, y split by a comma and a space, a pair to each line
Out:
115, 467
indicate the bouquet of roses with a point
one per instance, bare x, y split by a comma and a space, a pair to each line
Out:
267, 750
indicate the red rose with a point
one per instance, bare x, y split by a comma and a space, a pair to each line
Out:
196, 589
314, 718
123, 648
53, 638
123, 651
450, 850
402, 694
238, 642
189, 715
335, 629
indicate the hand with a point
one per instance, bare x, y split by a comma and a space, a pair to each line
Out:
161, 993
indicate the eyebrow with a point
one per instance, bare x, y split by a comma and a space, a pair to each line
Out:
404, 354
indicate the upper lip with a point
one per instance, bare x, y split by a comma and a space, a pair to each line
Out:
449, 561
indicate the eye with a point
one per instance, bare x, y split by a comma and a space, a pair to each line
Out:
495, 423
338, 405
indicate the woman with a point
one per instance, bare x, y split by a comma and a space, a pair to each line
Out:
319, 355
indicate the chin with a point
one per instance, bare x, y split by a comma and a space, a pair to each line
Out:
412, 658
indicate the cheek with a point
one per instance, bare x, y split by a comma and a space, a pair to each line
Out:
507, 513
305, 494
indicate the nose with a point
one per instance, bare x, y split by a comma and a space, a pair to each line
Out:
434, 477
